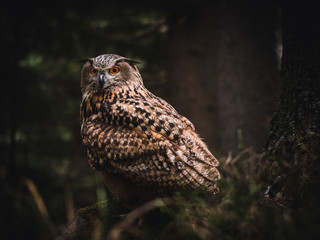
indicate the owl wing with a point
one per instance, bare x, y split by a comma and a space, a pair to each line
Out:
163, 104
149, 144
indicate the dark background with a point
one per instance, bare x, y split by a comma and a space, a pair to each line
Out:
216, 62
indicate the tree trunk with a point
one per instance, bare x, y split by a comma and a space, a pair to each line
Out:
291, 159
192, 83
223, 71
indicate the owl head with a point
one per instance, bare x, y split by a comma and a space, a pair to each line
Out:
108, 71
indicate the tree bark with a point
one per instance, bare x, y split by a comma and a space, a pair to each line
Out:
192, 83
223, 71
291, 160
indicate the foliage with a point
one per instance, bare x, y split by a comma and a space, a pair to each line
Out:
240, 211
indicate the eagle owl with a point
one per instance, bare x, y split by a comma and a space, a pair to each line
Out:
138, 141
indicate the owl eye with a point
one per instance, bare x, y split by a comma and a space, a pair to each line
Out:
93, 71
114, 70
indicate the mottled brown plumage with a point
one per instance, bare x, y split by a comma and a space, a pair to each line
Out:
137, 140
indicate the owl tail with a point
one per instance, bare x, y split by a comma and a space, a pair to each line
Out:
195, 165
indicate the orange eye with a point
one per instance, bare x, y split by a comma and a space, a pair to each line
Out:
114, 70
93, 71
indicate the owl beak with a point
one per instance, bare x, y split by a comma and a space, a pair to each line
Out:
101, 79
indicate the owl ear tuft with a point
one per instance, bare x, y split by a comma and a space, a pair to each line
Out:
85, 60
130, 61
133, 61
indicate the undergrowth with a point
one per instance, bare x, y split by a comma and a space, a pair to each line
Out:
242, 210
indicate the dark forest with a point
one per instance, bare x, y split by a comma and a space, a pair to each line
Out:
245, 73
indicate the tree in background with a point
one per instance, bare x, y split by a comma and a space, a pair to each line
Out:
291, 157
223, 71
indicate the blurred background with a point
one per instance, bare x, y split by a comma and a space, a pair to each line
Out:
217, 62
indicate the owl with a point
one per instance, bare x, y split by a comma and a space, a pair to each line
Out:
139, 143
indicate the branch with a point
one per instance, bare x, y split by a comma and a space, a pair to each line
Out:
135, 214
